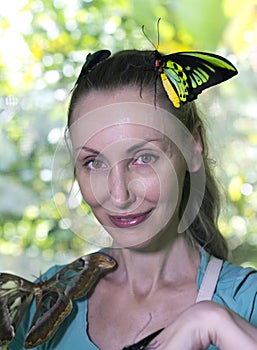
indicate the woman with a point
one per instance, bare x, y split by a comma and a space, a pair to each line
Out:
142, 167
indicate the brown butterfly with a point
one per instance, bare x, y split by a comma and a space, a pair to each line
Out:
53, 297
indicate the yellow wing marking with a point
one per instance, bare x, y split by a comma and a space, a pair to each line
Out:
170, 91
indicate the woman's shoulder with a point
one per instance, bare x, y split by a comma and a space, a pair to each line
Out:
235, 279
237, 289
239, 276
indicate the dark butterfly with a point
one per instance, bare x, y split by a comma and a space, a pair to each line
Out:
91, 61
53, 297
142, 344
185, 75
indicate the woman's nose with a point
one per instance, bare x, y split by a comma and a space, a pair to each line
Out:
119, 186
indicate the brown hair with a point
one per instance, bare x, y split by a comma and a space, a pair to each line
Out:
134, 68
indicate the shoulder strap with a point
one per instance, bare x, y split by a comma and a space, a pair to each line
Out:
210, 279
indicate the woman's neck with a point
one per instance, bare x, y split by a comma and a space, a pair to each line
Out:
146, 270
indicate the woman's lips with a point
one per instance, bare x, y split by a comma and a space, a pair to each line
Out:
126, 221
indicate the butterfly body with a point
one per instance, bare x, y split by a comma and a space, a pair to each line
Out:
53, 297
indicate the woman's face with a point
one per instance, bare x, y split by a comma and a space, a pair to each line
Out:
129, 170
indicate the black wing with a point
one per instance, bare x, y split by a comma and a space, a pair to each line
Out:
142, 344
91, 61
190, 73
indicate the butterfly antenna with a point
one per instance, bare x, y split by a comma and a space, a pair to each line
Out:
147, 37
37, 278
158, 32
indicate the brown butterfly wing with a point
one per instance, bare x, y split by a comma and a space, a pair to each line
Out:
95, 265
53, 296
52, 309
16, 294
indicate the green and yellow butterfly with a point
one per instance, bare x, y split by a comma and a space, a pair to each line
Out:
184, 75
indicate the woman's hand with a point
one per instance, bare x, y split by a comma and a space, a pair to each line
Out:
203, 324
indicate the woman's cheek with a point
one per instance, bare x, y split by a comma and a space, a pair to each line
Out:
152, 188
92, 189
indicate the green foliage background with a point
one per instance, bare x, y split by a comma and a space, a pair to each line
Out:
43, 46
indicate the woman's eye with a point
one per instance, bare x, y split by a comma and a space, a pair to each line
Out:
94, 164
145, 159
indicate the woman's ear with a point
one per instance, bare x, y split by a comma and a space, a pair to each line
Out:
197, 149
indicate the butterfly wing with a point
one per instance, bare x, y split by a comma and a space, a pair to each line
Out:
189, 73
6, 328
52, 308
91, 61
16, 294
77, 278
54, 296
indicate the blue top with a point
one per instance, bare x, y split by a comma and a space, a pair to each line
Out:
236, 289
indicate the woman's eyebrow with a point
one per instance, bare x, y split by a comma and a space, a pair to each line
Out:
131, 149
88, 149
140, 144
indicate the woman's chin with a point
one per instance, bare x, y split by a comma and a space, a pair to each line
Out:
149, 244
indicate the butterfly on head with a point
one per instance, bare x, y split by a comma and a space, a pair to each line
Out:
185, 75
91, 61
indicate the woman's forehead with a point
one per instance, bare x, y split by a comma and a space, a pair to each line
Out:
127, 138
103, 109
122, 118
141, 117
124, 131
100, 98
